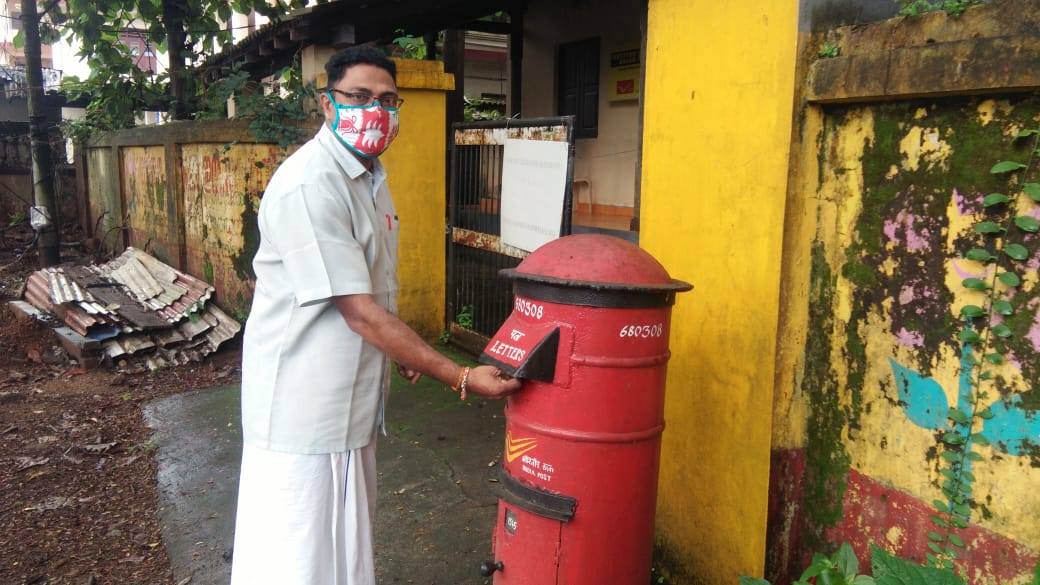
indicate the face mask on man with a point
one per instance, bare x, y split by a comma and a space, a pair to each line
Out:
366, 130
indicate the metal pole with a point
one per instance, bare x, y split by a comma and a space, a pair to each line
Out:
44, 209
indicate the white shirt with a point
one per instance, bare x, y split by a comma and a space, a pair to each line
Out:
310, 384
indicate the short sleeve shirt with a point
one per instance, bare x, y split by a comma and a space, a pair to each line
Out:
328, 228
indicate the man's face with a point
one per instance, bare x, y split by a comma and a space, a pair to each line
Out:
363, 78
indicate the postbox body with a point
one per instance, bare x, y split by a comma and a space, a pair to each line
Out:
578, 483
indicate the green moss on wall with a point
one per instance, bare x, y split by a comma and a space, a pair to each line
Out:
243, 261
827, 462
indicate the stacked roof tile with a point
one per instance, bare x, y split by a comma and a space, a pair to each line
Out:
137, 306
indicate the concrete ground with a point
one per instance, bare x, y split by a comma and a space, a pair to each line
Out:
436, 508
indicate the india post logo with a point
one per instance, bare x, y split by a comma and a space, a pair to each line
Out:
517, 447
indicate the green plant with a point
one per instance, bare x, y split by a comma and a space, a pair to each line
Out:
657, 578
17, 217
983, 336
476, 109
465, 317
919, 7
118, 86
829, 50
410, 47
889, 569
842, 568
274, 111
444, 337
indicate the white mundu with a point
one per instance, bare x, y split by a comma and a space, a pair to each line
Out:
305, 519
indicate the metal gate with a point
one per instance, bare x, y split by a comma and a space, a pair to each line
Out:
477, 299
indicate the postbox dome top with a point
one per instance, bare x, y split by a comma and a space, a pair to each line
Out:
598, 262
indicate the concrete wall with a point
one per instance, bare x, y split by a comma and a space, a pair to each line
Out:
719, 91
188, 192
608, 162
887, 176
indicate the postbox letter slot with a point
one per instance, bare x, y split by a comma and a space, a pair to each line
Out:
534, 500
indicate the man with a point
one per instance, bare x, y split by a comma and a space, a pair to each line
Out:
315, 369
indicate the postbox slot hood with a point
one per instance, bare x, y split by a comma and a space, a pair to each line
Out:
524, 351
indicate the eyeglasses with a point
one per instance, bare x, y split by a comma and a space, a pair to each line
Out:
363, 98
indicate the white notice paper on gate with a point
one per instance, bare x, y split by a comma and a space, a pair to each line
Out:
534, 180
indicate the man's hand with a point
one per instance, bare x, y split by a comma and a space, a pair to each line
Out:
408, 374
490, 382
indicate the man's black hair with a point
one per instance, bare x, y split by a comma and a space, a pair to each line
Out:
338, 64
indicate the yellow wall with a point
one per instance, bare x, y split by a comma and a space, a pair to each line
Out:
416, 166
717, 130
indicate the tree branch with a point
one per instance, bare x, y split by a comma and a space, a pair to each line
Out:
50, 6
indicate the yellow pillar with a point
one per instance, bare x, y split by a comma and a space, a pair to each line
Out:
716, 139
416, 165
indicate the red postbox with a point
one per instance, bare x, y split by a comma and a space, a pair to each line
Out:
578, 483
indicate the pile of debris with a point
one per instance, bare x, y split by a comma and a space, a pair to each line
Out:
134, 308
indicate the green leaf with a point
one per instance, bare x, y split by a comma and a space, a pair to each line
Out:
1003, 307
979, 255
959, 522
1025, 133
962, 509
863, 580
931, 559
845, 560
957, 415
969, 336
1002, 330
951, 438
745, 580
975, 284
1016, 251
972, 311
940, 522
941, 506
975, 456
1032, 190
952, 457
956, 541
994, 199
985, 376
889, 569
19, 39
980, 440
1006, 166
952, 553
1027, 223
935, 548
1009, 278
935, 536
985, 414
988, 227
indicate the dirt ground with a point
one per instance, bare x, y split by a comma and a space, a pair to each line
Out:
78, 497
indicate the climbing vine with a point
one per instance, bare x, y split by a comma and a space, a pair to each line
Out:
1003, 251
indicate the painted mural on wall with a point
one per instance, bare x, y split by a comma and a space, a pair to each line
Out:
896, 405
222, 189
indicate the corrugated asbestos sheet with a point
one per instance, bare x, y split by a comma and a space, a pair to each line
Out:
140, 308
